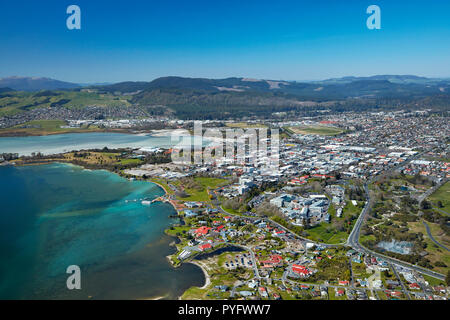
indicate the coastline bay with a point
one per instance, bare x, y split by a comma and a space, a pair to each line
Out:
58, 215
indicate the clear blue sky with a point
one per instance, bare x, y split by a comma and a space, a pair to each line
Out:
290, 40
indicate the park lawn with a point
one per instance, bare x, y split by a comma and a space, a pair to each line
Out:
433, 281
45, 127
94, 157
201, 194
130, 161
435, 253
442, 194
163, 183
244, 125
317, 130
321, 233
364, 239
360, 271
173, 232
351, 210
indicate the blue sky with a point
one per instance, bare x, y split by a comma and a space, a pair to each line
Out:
290, 40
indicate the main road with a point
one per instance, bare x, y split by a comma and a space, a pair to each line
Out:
353, 241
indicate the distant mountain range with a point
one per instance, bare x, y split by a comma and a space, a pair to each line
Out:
198, 98
390, 78
383, 86
335, 88
35, 84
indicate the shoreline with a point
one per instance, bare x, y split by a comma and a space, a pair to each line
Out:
207, 276
166, 193
6, 133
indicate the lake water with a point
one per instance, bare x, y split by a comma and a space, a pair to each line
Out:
56, 215
77, 141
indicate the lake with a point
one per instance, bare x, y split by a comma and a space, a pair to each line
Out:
57, 215
60, 143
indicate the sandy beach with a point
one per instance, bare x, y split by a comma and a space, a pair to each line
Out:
207, 277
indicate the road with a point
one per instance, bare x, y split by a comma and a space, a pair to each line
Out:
442, 211
431, 190
353, 239
295, 283
252, 256
400, 280
432, 238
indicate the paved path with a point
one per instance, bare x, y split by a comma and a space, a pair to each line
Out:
400, 280
442, 211
432, 238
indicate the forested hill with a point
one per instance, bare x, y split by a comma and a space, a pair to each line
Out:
199, 98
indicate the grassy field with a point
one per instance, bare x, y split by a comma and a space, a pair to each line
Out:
435, 253
442, 194
17, 102
318, 130
163, 183
44, 127
201, 193
244, 125
325, 233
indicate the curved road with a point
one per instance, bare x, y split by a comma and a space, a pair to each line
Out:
432, 238
353, 241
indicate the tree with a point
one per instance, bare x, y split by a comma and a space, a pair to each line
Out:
447, 278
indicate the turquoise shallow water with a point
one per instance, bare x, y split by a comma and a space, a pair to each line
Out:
53, 216
76, 141
60, 143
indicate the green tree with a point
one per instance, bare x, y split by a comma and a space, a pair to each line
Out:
447, 278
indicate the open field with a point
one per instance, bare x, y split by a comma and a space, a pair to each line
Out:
44, 127
443, 195
325, 233
435, 253
318, 130
17, 102
200, 191
244, 125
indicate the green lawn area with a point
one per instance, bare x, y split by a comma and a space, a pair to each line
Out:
324, 232
163, 183
433, 281
17, 102
175, 230
45, 127
319, 130
435, 253
201, 194
442, 194
351, 210
130, 161
244, 125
